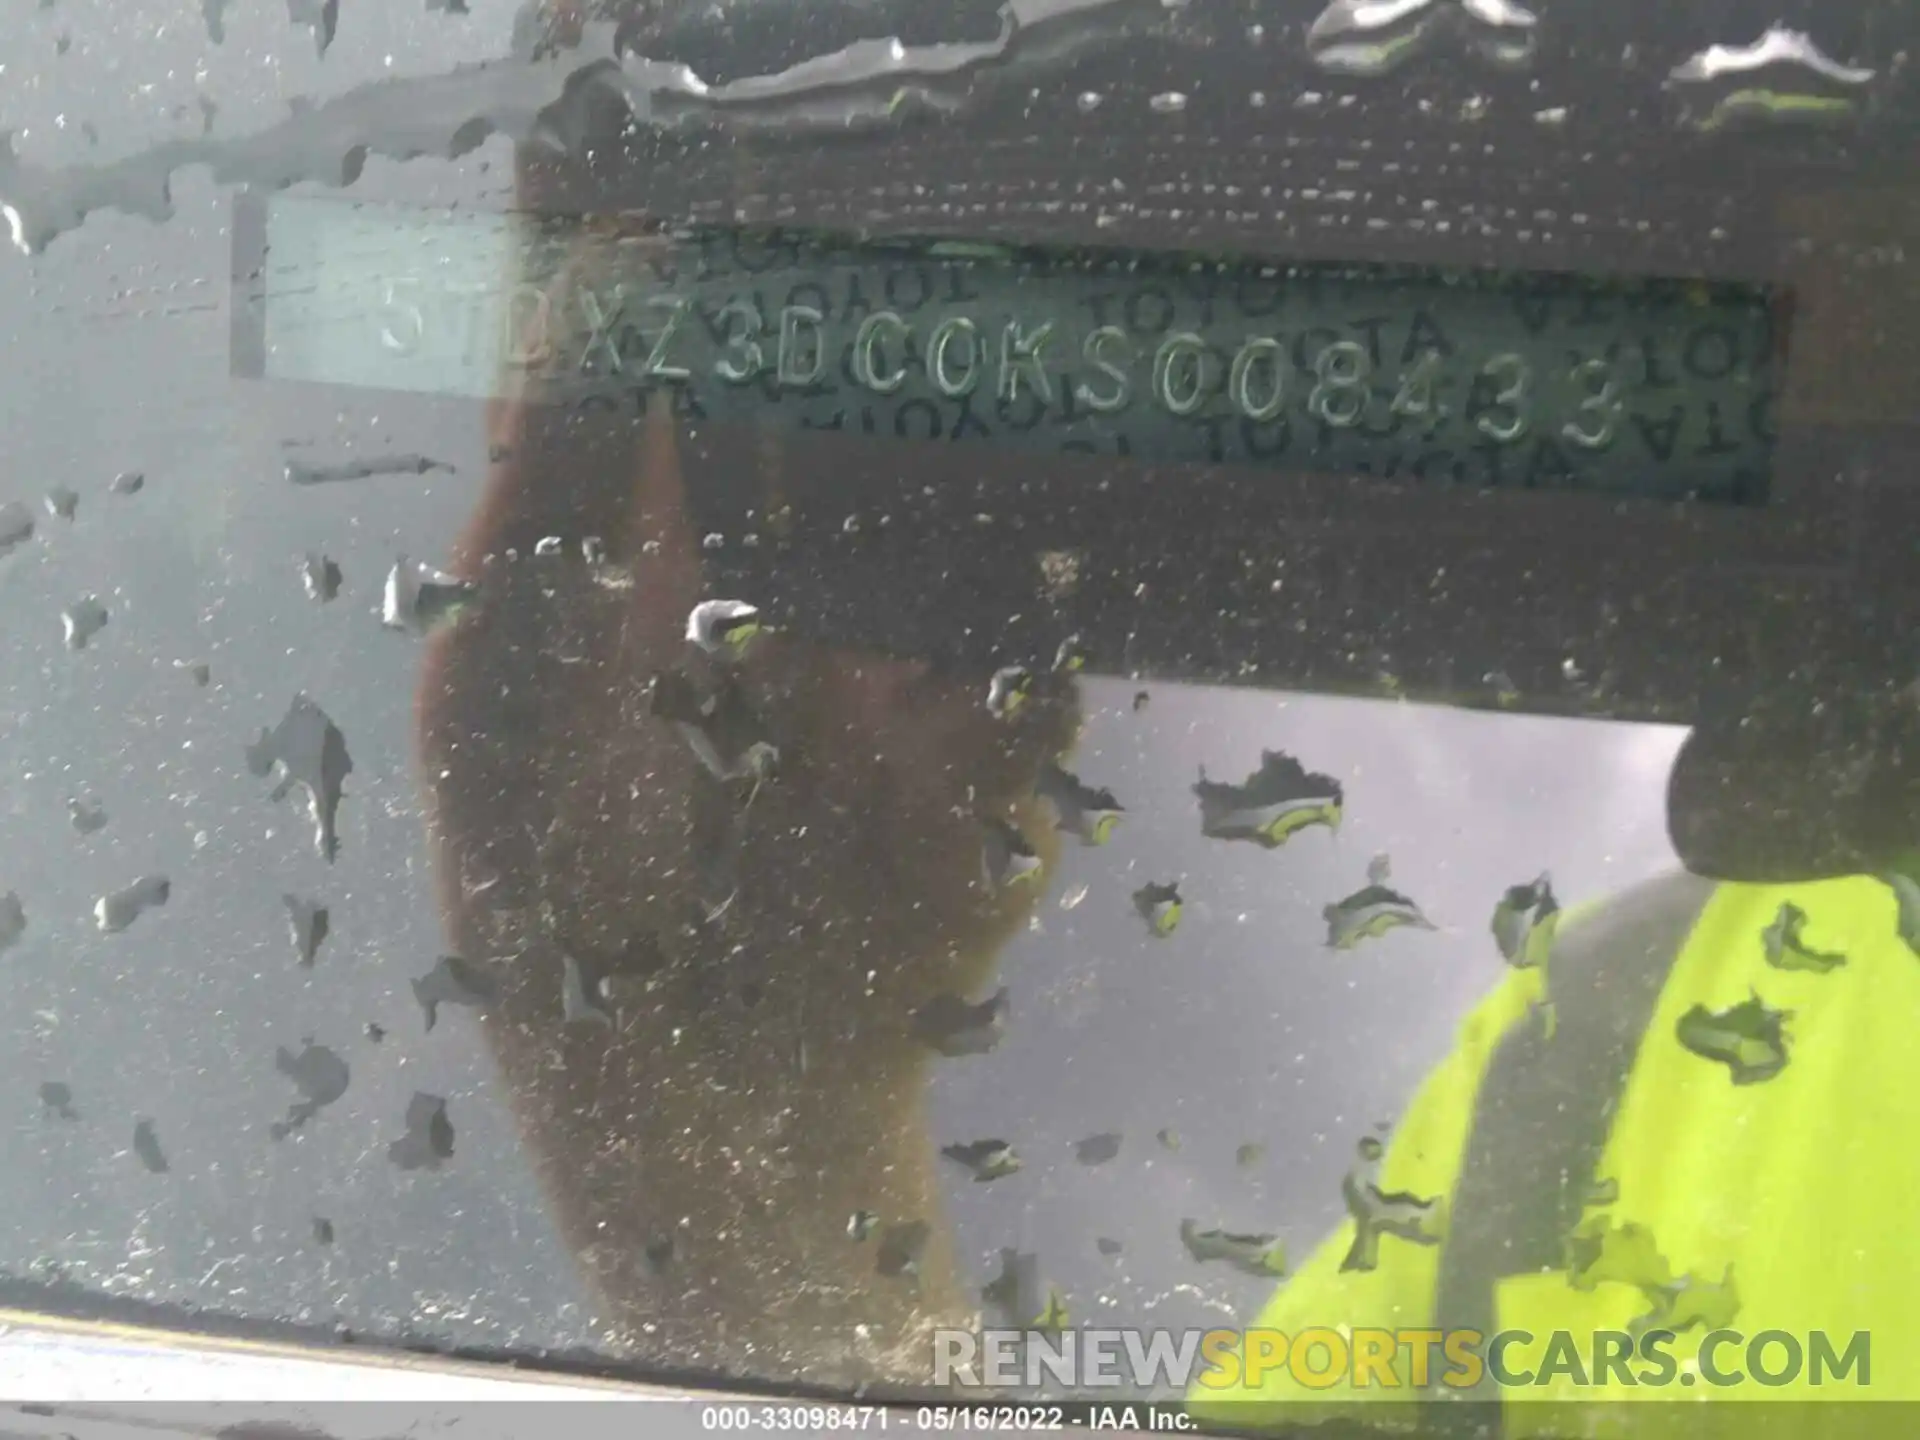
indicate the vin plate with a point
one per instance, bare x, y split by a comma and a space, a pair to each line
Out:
1651, 388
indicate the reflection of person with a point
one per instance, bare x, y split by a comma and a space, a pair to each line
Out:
767, 939
1695, 1117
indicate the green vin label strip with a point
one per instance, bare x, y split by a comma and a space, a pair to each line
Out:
1652, 388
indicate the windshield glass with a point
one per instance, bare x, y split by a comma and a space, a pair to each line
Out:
823, 695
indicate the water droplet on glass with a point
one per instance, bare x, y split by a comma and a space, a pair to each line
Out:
714, 541
62, 503
308, 751
128, 482
429, 1138
454, 981
309, 924
1363, 37
318, 1074
580, 1001
16, 525
1097, 1149
82, 622
13, 920
1553, 115
87, 816
57, 1097
419, 599
548, 545
1088, 101
723, 627
901, 1247
198, 671
147, 1146
1168, 102
300, 473
954, 1027
114, 913
320, 576
850, 525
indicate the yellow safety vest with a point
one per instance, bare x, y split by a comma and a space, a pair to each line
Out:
1580, 1145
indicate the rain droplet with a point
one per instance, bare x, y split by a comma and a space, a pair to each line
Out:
147, 1146
453, 981
57, 1097
16, 526
83, 621
901, 1247
1097, 1149
62, 503
1168, 102
548, 545
198, 671
581, 1001
715, 541
723, 627
318, 1074
300, 473
87, 816
322, 1230
429, 1138
321, 577
419, 598
309, 751
955, 1027
309, 925
1089, 101
114, 913
128, 482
